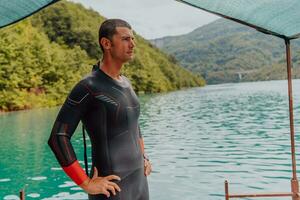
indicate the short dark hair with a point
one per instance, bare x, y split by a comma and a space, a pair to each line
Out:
108, 28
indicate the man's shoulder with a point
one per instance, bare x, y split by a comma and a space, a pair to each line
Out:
80, 91
89, 82
88, 79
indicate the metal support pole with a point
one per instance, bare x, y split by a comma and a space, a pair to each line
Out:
294, 181
22, 194
226, 190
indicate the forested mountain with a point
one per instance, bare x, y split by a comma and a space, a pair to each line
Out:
42, 57
225, 51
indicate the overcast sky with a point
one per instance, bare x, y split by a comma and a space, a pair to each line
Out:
153, 18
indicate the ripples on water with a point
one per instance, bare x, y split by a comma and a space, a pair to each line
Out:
200, 137
196, 139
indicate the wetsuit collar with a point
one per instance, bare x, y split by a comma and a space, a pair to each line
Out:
122, 83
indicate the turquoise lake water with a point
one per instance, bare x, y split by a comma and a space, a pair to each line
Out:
196, 138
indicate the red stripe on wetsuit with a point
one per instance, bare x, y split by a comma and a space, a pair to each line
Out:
76, 173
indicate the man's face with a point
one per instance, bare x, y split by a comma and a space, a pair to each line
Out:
122, 44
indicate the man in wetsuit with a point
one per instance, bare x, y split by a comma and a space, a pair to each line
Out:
109, 109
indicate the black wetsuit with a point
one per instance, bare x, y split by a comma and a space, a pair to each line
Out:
109, 110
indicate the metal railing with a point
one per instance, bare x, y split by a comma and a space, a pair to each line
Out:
294, 182
279, 194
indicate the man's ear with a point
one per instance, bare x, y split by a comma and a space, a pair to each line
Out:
106, 43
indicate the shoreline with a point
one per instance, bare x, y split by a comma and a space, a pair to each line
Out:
138, 94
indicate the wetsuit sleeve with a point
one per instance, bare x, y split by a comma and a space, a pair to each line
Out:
74, 107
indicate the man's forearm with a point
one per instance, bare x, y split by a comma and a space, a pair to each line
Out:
142, 145
143, 149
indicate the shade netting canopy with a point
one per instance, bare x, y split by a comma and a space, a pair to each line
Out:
277, 17
12, 11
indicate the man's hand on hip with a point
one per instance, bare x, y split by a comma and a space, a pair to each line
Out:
101, 185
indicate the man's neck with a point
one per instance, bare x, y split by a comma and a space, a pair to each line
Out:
112, 69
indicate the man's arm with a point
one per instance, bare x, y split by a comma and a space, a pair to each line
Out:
66, 122
147, 164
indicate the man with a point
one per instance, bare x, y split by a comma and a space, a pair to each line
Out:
109, 109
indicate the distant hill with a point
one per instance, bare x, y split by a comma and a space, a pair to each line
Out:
42, 57
225, 51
